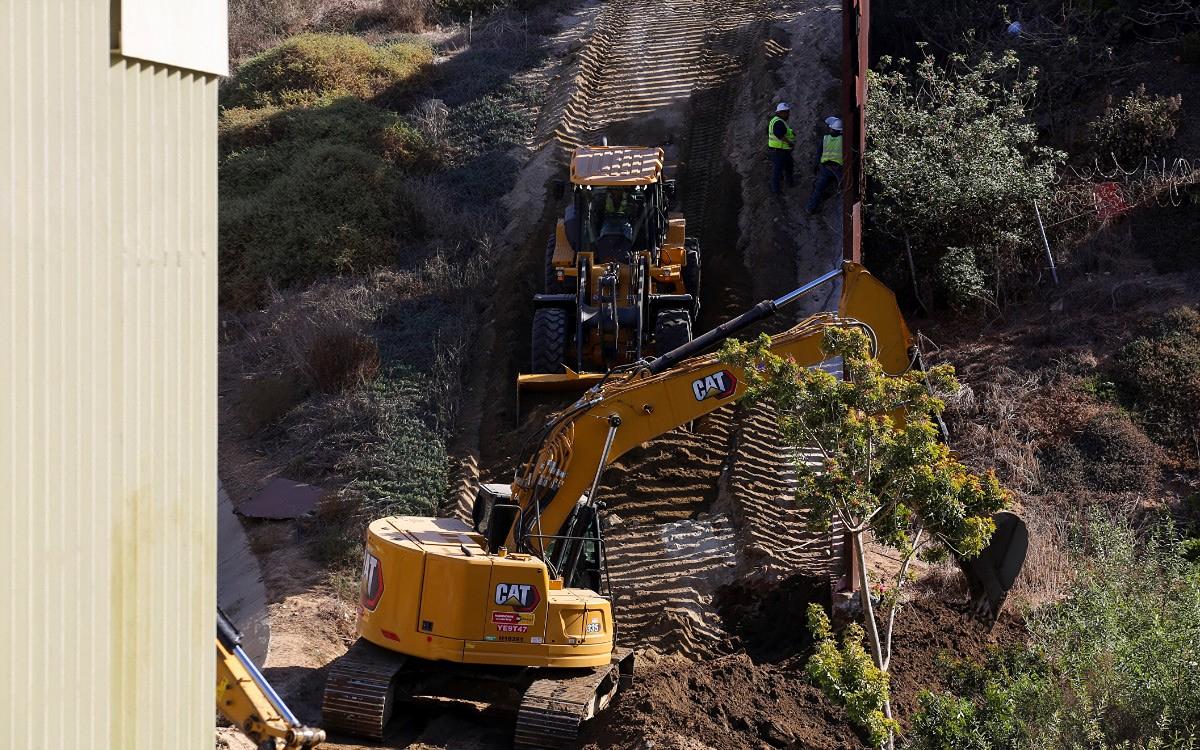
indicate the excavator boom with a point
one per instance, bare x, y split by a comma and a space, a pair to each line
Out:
518, 602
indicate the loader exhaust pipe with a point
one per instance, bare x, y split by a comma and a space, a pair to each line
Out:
761, 311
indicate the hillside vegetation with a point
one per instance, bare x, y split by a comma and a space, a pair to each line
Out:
358, 187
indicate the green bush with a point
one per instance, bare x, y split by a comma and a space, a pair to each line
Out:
1114, 665
315, 68
956, 167
1137, 127
848, 677
309, 179
1158, 374
328, 210
346, 121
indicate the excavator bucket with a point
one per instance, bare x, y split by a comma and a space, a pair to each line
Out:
991, 574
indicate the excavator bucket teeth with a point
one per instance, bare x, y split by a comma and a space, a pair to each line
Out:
359, 691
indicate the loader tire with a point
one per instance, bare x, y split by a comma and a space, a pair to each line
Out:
553, 285
691, 274
549, 340
672, 329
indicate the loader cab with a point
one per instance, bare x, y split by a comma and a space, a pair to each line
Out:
615, 192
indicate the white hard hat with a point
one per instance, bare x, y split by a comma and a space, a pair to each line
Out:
782, 107
834, 123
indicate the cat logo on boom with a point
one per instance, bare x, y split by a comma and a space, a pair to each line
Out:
718, 385
522, 597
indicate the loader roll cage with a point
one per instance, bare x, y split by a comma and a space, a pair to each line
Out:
638, 225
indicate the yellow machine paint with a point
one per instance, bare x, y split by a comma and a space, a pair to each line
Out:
430, 590
611, 300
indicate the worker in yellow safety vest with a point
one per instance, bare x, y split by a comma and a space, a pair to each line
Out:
829, 163
780, 140
616, 203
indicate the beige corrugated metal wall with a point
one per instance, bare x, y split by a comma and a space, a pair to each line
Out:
107, 388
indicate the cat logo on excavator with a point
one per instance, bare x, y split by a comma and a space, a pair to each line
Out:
717, 385
522, 597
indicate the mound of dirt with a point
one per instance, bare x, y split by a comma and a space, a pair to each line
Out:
769, 624
726, 703
928, 632
761, 697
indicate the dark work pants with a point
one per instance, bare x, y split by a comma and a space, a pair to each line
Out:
829, 174
782, 166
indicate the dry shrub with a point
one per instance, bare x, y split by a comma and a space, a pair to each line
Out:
263, 400
255, 25
338, 360
407, 15
1107, 454
1048, 569
1137, 126
990, 426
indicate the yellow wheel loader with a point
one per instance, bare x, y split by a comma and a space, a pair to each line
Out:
246, 699
516, 607
622, 279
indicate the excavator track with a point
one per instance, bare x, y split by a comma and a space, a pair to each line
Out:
554, 708
360, 691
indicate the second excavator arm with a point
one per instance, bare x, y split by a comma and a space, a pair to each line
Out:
675, 389
246, 699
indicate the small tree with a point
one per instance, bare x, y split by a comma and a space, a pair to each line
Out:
882, 468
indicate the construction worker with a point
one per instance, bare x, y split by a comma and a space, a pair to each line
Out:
780, 140
829, 163
615, 202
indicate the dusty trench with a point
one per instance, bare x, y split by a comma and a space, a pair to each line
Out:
704, 547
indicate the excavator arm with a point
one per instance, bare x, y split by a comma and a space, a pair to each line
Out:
245, 698
675, 389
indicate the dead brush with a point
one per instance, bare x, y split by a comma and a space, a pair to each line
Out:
407, 15
1048, 567
990, 427
339, 360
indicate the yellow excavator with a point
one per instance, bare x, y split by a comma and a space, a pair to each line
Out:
248, 701
513, 608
